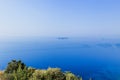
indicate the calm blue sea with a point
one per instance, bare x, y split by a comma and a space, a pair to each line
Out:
95, 58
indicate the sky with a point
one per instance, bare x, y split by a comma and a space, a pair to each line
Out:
73, 18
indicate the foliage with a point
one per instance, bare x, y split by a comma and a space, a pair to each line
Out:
70, 76
20, 74
14, 65
17, 70
49, 74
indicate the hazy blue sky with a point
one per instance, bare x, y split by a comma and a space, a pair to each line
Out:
59, 18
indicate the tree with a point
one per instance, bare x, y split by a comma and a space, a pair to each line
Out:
14, 65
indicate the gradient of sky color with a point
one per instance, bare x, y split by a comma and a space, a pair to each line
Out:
59, 18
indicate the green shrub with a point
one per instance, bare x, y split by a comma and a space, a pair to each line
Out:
49, 74
38, 75
16, 70
55, 74
13, 66
71, 76
7, 77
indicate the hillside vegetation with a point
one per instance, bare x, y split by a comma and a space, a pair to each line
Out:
17, 70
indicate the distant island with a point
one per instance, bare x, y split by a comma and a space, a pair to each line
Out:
63, 38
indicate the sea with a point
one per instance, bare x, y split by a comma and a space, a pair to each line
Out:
95, 58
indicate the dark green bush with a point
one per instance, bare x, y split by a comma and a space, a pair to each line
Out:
17, 70
13, 66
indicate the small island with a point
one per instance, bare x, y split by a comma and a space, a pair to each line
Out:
63, 38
